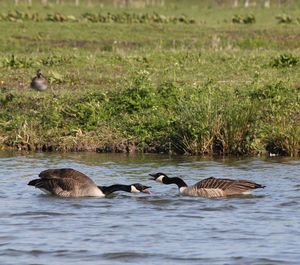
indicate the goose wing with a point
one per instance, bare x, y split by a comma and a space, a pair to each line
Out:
67, 174
66, 182
65, 187
39, 83
228, 186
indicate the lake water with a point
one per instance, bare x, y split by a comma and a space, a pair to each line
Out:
161, 228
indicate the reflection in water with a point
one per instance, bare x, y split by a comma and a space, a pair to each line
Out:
163, 228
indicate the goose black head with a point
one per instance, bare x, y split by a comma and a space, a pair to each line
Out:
137, 187
158, 177
39, 73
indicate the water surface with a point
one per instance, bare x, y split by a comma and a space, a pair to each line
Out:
163, 228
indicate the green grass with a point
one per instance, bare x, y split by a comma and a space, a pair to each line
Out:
209, 87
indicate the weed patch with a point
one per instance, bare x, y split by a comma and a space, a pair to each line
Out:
285, 60
243, 19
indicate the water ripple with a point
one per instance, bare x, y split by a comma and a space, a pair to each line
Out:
222, 208
38, 213
125, 255
162, 228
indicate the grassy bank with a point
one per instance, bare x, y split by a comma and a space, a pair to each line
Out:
209, 84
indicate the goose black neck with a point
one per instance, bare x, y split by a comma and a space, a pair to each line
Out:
178, 181
117, 187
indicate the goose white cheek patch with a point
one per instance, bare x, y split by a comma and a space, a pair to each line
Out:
134, 189
159, 179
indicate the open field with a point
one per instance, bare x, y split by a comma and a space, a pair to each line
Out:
180, 78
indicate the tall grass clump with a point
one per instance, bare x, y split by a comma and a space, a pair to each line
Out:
285, 60
216, 122
284, 19
279, 128
143, 116
243, 19
15, 62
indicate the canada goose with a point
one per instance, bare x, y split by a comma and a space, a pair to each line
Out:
67, 182
209, 187
39, 82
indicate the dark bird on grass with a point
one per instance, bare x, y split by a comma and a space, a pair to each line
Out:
39, 82
209, 187
67, 182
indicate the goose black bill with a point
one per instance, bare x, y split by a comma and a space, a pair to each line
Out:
146, 189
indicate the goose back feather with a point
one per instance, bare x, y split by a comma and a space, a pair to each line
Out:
210, 187
220, 187
66, 182
39, 82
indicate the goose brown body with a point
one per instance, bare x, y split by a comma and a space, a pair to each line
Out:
39, 82
219, 187
210, 187
67, 182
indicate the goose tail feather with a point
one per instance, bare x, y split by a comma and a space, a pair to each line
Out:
33, 182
